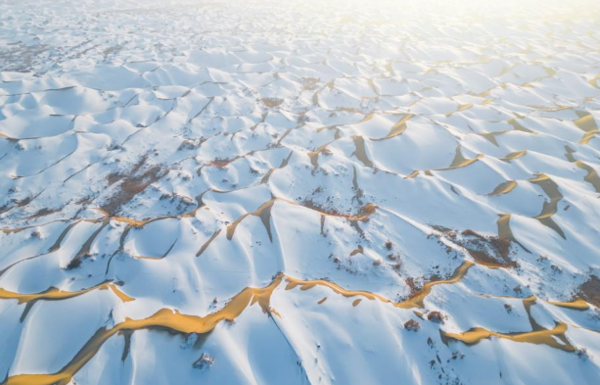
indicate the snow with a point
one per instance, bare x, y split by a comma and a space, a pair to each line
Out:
295, 181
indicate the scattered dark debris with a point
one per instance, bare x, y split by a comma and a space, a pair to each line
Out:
188, 144
582, 353
430, 342
84, 201
76, 262
389, 245
221, 162
114, 147
205, 361
518, 289
508, 308
436, 316
358, 250
412, 325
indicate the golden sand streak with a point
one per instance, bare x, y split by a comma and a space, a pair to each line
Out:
54, 294
460, 161
504, 187
588, 124
398, 128
461, 108
124, 297
589, 136
504, 230
595, 82
360, 152
129, 221
163, 319
264, 213
207, 243
518, 127
591, 177
514, 155
314, 156
174, 321
578, 304
549, 208
415, 301
541, 337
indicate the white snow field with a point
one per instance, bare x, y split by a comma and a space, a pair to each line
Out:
299, 192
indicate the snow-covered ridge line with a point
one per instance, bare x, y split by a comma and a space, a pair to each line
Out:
186, 324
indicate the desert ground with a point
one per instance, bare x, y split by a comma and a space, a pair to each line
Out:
299, 192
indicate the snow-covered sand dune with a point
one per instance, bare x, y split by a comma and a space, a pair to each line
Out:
323, 192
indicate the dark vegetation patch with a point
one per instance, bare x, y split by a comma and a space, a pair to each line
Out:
412, 325
590, 290
18, 203
485, 249
362, 214
412, 286
436, 316
131, 184
272, 102
310, 84
43, 212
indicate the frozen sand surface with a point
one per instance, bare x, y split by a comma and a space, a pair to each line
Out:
263, 193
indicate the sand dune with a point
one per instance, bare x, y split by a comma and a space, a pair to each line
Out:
263, 192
